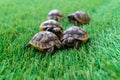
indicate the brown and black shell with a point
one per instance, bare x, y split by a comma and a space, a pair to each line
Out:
77, 33
44, 40
50, 24
55, 15
81, 17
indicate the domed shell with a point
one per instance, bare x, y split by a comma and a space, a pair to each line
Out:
82, 17
77, 33
79, 17
44, 40
50, 24
55, 15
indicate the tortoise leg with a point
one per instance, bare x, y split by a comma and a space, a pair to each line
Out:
51, 50
76, 23
27, 46
76, 44
64, 43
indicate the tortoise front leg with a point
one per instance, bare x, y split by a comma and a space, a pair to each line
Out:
76, 23
77, 43
64, 43
51, 50
27, 46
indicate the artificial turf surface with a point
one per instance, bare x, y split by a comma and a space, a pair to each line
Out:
99, 59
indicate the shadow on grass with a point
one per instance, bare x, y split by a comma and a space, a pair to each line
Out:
32, 52
82, 44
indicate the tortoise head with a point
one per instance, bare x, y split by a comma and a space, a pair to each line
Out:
71, 17
57, 31
55, 18
68, 42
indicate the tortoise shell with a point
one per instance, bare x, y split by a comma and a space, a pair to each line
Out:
55, 15
76, 33
80, 17
44, 40
52, 26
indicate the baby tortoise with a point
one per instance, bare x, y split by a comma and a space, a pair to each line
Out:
45, 41
52, 26
74, 36
55, 15
79, 17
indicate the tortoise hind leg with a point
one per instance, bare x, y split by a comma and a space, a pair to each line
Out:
57, 19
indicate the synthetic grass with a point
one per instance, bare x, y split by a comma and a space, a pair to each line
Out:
99, 59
